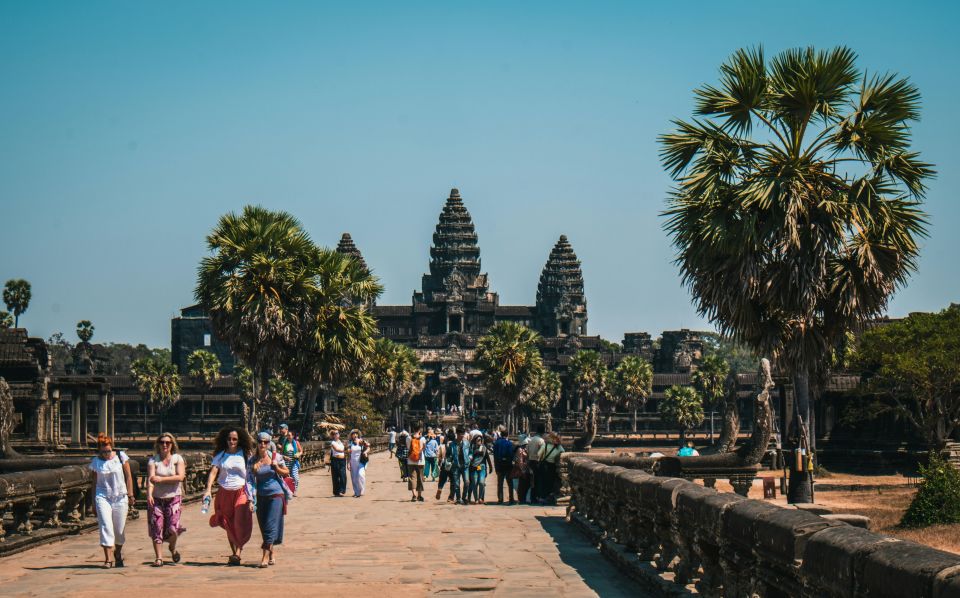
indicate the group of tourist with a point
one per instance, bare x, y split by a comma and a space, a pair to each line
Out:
352, 456
464, 458
254, 477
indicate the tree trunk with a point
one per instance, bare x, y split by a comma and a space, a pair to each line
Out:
634, 423
800, 489
203, 409
306, 426
145, 403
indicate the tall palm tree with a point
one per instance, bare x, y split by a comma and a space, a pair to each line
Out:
85, 330
337, 330
392, 374
203, 368
16, 295
682, 409
543, 396
589, 381
254, 285
709, 381
632, 384
158, 383
797, 207
6, 320
509, 357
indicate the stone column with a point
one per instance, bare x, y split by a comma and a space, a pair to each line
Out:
102, 412
55, 417
84, 427
75, 419
112, 418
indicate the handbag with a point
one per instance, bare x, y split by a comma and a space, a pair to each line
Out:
290, 483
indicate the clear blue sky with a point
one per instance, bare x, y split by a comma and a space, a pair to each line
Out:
128, 128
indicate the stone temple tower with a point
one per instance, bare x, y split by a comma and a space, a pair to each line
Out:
561, 308
347, 246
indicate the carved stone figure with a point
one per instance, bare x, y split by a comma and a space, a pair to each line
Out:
731, 415
6, 420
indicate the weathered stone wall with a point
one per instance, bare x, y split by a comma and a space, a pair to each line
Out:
732, 546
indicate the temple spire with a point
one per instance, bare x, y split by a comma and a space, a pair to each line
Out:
346, 246
455, 254
561, 304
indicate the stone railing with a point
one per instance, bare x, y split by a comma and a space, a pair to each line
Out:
659, 528
41, 505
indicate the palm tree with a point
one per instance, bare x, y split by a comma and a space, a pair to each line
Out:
632, 384
203, 368
589, 380
158, 383
393, 376
709, 381
681, 408
510, 359
255, 285
337, 333
85, 330
543, 395
6, 320
16, 295
792, 235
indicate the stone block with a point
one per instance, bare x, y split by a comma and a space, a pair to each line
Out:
782, 534
901, 568
742, 520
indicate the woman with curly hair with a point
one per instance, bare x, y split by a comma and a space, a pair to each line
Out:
233, 509
166, 471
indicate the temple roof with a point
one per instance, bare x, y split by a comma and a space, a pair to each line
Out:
347, 247
561, 279
455, 253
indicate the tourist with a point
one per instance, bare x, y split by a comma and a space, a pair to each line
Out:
268, 495
232, 510
503, 452
533, 456
688, 450
430, 453
338, 464
479, 466
459, 455
401, 454
291, 449
549, 459
392, 440
166, 471
443, 459
521, 470
113, 495
359, 454
415, 461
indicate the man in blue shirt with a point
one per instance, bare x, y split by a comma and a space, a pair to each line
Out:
503, 463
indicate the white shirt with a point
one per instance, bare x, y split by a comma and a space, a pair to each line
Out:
534, 446
233, 470
336, 448
393, 436
110, 482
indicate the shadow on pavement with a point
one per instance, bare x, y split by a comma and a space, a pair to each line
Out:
597, 572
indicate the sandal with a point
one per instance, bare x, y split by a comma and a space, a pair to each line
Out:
108, 564
157, 563
271, 562
234, 559
175, 555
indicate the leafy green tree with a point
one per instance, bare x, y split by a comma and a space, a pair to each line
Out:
632, 384
255, 285
85, 330
709, 381
282, 398
589, 381
938, 499
6, 320
797, 207
682, 409
16, 295
158, 383
338, 332
203, 368
392, 375
544, 394
509, 357
912, 368
739, 357
357, 412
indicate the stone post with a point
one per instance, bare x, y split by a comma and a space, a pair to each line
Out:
112, 419
55, 422
102, 412
75, 419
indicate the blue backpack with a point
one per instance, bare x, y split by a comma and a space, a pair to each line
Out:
503, 450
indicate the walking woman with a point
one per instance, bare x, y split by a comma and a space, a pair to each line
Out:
233, 510
549, 458
444, 459
166, 471
480, 464
338, 464
114, 494
266, 489
291, 449
521, 471
359, 451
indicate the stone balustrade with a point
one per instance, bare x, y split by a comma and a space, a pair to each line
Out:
728, 545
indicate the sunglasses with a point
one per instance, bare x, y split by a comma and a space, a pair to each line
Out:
166, 442
233, 440
264, 442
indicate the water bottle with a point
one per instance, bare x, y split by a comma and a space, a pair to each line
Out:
206, 505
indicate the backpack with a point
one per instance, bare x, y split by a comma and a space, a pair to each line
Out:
416, 447
503, 450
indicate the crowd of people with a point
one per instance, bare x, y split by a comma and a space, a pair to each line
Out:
464, 457
254, 475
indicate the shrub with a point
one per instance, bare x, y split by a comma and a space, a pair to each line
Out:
357, 412
938, 498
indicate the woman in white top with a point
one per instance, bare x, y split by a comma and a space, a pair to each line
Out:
233, 509
359, 452
166, 470
338, 464
113, 496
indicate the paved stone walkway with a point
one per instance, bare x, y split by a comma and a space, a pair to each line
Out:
379, 544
